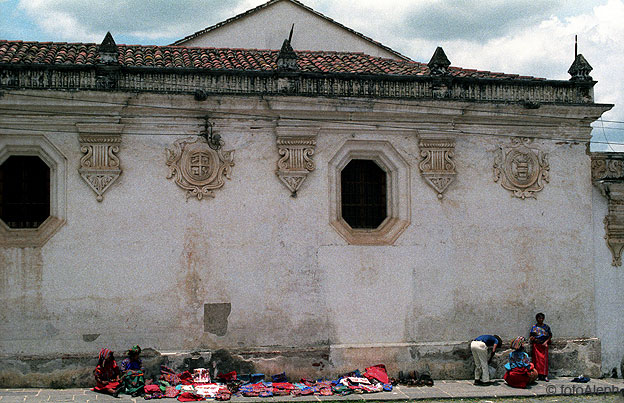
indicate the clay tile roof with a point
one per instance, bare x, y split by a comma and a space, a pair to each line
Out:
86, 54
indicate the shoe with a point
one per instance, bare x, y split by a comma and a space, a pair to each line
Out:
479, 382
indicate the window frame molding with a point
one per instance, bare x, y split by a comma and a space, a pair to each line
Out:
397, 185
40, 146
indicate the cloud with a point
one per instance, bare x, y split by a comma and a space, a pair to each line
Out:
79, 20
547, 49
474, 20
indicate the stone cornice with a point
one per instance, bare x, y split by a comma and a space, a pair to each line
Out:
529, 92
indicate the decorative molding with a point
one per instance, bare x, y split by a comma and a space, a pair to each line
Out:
607, 175
520, 168
296, 161
99, 166
153, 79
607, 166
197, 168
437, 166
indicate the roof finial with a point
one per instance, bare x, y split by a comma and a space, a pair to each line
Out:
439, 63
580, 68
108, 50
287, 58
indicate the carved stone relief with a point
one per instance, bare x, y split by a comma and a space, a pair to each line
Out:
520, 168
296, 161
607, 175
436, 165
197, 168
99, 166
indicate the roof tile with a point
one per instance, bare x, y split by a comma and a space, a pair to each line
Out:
85, 54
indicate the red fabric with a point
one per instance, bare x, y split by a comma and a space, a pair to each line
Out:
230, 376
100, 387
517, 377
152, 389
377, 372
171, 391
189, 397
539, 356
186, 378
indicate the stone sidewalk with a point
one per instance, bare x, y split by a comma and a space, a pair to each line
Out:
448, 390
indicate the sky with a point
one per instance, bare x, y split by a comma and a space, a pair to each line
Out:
527, 37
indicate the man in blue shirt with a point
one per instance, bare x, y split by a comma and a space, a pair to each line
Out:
479, 348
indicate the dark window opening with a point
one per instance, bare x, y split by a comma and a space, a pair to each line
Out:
363, 190
24, 191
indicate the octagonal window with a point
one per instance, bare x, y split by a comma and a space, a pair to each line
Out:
24, 191
369, 201
363, 194
32, 190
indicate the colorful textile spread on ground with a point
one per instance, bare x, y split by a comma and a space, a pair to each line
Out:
187, 387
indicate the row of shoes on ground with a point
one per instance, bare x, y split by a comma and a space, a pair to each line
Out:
414, 378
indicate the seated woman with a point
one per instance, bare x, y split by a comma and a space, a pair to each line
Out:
133, 379
107, 374
520, 370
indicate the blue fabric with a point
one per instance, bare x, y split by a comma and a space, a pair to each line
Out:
131, 365
488, 339
541, 333
518, 359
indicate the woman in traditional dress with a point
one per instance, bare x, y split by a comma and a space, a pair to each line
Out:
539, 337
107, 374
520, 370
133, 379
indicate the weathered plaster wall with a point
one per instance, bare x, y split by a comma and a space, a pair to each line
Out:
609, 281
140, 266
311, 32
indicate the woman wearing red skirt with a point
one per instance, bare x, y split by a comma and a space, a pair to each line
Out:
520, 370
107, 374
539, 337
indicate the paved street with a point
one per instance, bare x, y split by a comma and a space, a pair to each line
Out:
558, 390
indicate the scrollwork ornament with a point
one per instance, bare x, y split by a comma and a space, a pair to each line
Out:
197, 168
437, 166
521, 169
99, 166
296, 160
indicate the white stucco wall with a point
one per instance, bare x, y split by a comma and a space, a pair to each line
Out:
139, 266
609, 281
267, 28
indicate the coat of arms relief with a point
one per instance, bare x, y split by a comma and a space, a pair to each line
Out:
198, 168
520, 168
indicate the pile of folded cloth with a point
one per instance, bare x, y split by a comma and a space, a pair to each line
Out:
198, 386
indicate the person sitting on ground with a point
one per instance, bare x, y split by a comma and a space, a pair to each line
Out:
133, 379
479, 348
107, 374
539, 337
520, 370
